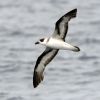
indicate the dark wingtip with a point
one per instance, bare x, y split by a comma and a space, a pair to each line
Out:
72, 13
37, 78
34, 86
75, 10
35, 82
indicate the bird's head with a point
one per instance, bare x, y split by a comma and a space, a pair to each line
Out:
42, 41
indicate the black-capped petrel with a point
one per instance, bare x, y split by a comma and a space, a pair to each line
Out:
53, 44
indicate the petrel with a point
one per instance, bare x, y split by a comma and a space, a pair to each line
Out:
53, 44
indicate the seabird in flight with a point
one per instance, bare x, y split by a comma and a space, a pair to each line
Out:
53, 44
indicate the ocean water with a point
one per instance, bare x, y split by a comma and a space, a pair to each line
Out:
70, 76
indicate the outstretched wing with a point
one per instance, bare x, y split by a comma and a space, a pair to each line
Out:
61, 26
41, 63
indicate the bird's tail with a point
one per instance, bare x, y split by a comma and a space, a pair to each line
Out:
71, 47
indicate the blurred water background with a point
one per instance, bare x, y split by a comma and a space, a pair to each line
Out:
70, 76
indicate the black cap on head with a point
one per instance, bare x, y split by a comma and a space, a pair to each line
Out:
42, 39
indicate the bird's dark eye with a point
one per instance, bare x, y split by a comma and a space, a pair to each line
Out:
41, 40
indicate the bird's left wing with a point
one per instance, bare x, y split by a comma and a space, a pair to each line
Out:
41, 63
61, 26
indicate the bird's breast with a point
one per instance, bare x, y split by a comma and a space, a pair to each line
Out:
59, 44
56, 44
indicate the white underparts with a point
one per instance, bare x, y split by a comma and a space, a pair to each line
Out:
59, 44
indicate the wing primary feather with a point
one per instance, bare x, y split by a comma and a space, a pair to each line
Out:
70, 14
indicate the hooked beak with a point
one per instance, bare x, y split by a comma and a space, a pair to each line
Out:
36, 42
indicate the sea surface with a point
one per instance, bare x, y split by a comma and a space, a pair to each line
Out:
71, 75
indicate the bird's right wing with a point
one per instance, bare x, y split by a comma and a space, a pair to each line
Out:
41, 62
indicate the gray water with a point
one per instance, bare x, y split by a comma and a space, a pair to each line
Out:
70, 76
